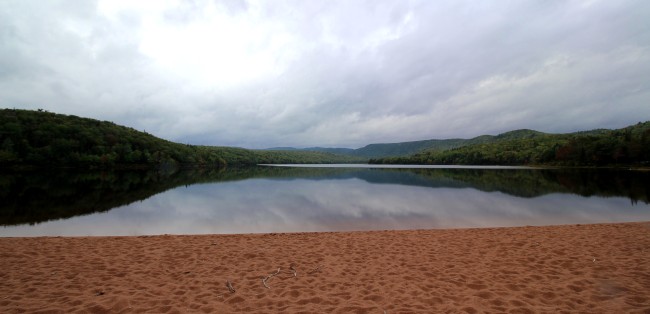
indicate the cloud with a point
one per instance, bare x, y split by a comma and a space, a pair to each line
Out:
329, 73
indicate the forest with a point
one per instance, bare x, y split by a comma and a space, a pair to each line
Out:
43, 139
628, 146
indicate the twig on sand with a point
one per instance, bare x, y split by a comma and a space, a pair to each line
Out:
230, 287
293, 269
315, 269
269, 277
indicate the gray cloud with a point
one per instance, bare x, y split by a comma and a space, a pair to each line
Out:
330, 73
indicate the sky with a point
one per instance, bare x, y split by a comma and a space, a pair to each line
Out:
348, 73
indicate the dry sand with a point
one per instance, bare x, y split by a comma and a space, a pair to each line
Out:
601, 268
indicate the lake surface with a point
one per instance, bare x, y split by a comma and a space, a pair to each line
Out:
315, 198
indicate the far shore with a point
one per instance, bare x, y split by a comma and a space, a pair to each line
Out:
599, 268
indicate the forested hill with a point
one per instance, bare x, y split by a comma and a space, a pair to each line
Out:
627, 146
38, 138
404, 149
409, 148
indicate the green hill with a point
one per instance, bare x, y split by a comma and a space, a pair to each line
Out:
409, 148
405, 148
627, 146
43, 139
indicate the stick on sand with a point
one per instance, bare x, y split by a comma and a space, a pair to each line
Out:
269, 277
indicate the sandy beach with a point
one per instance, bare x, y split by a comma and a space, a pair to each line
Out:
602, 268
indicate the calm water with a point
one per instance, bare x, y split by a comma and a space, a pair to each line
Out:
323, 198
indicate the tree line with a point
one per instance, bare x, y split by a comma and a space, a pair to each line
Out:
627, 146
39, 138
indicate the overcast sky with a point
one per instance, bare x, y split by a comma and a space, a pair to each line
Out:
329, 73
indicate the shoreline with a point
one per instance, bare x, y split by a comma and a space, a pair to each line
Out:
572, 268
351, 232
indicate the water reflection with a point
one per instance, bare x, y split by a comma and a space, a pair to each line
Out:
306, 199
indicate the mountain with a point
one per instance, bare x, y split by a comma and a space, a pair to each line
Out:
382, 153
409, 148
332, 150
44, 139
626, 146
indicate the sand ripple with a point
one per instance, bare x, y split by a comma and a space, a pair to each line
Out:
583, 268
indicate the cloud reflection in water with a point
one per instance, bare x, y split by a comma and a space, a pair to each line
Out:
292, 205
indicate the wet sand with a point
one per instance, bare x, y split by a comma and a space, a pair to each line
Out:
602, 268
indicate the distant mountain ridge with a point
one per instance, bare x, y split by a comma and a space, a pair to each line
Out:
401, 149
629, 146
333, 150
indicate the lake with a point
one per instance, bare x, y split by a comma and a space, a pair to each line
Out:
297, 198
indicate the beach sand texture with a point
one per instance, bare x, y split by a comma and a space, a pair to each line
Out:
602, 268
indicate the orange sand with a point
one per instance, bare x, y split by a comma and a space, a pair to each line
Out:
580, 268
